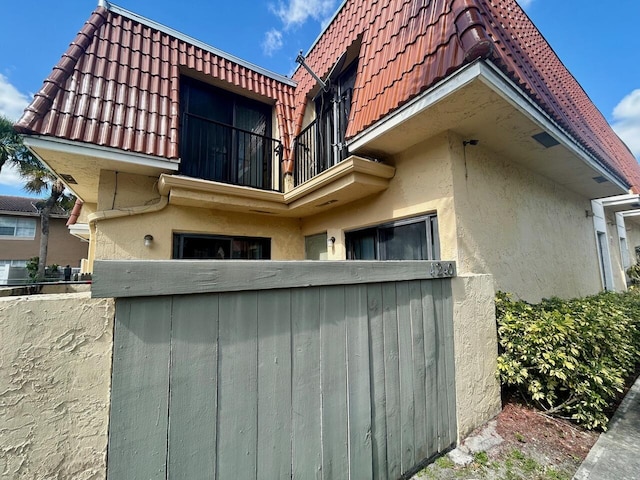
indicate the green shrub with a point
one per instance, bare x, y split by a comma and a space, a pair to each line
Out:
570, 357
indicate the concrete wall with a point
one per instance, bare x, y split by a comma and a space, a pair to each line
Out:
55, 376
476, 351
527, 231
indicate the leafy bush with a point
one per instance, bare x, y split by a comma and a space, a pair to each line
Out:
570, 357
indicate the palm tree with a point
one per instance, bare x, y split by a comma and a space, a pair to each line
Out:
38, 180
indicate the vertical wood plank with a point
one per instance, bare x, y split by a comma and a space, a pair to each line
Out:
378, 392
392, 380
193, 393
419, 372
406, 377
306, 395
140, 389
237, 385
358, 381
433, 347
449, 360
274, 384
333, 371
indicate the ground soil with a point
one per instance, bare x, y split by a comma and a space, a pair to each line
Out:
534, 446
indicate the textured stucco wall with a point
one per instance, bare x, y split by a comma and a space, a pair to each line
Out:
527, 231
55, 371
422, 184
476, 351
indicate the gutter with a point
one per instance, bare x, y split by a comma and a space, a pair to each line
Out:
162, 202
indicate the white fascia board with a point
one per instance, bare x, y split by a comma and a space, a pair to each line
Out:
106, 153
422, 102
196, 43
80, 230
491, 76
631, 213
618, 200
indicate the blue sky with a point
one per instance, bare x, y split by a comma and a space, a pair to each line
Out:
597, 41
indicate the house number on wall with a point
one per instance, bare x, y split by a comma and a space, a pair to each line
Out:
439, 269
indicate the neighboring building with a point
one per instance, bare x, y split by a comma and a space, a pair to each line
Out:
20, 235
440, 130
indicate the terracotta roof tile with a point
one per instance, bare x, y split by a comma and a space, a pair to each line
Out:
118, 83
118, 86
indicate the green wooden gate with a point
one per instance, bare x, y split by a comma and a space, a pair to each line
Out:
279, 369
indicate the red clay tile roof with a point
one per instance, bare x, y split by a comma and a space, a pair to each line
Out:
407, 46
117, 85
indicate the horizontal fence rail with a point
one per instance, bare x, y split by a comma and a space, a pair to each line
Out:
300, 377
215, 151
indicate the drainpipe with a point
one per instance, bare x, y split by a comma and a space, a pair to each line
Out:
129, 211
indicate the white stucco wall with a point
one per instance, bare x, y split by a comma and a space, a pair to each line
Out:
526, 230
476, 351
55, 374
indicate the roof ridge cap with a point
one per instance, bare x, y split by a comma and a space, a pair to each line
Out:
471, 29
61, 71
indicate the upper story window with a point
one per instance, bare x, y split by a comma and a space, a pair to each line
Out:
225, 137
18, 228
411, 239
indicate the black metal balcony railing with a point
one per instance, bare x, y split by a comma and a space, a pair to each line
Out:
215, 151
317, 148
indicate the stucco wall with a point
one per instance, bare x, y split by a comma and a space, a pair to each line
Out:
122, 238
422, 184
633, 237
55, 371
527, 231
64, 248
476, 351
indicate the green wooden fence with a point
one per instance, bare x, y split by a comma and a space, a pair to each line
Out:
279, 369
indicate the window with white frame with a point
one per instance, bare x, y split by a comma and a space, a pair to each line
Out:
17, 227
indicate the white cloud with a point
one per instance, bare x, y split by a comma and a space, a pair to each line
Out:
12, 101
525, 3
272, 42
9, 176
626, 121
296, 12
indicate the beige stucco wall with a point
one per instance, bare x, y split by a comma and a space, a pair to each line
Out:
63, 248
476, 351
122, 238
55, 370
422, 184
527, 231
633, 237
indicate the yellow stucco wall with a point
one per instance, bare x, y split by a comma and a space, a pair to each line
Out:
122, 238
527, 231
54, 385
476, 349
633, 238
422, 184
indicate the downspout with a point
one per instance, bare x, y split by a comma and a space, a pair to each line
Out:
129, 211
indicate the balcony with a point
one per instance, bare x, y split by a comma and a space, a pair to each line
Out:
216, 151
317, 148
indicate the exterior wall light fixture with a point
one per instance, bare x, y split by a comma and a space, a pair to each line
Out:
148, 239
331, 242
